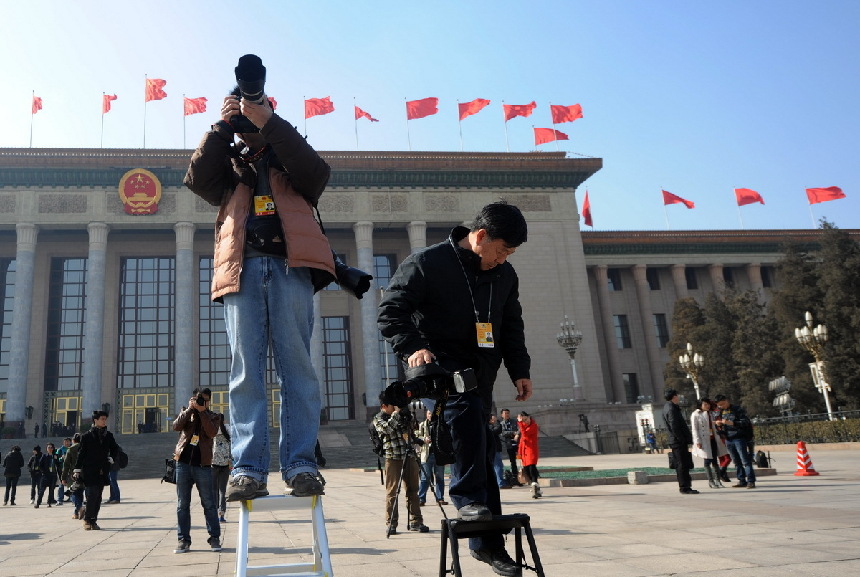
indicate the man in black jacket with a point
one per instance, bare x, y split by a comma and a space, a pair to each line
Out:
738, 428
457, 304
98, 451
680, 439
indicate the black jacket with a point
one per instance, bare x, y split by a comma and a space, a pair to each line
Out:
13, 463
92, 461
741, 427
428, 306
676, 424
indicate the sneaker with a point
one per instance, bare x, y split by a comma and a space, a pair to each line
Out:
751, 486
87, 526
242, 488
419, 527
32, 501
474, 512
306, 485
221, 519
422, 502
95, 526
214, 543
500, 561
441, 502
391, 531
183, 547
689, 492
739, 485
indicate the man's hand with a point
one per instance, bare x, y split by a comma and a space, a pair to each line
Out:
420, 357
259, 114
524, 389
230, 108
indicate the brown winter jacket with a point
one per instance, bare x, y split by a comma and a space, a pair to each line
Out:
186, 423
297, 177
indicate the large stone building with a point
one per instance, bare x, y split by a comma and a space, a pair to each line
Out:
105, 262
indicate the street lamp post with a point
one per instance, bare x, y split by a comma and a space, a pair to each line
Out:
692, 363
569, 339
813, 339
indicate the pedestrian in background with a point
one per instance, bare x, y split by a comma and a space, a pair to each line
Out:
35, 472
529, 451
12, 465
221, 462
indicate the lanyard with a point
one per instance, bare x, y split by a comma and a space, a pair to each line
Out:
469, 286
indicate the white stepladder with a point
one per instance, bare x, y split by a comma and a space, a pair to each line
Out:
321, 566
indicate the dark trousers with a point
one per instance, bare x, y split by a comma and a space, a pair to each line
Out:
35, 480
472, 477
512, 457
11, 489
682, 470
94, 501
48, 482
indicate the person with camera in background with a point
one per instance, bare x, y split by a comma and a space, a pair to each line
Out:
98, 451
271, 256
395, 429
197, 427
75, 490
456, 303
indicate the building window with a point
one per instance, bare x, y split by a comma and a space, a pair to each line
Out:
661, 330
692, 280
213, 363
766, 276
652, 275
337, 367
622, 331
64, 344
145, 348
7, 301
728, 276
383, 268
631, 387
614, 277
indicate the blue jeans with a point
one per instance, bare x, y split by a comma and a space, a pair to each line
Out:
274, 305
499, 469
739, 450
187, 476
114, 486
472, 476
427, 469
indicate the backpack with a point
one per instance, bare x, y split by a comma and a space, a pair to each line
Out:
375, 440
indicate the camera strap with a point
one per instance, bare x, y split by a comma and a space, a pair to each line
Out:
484, 331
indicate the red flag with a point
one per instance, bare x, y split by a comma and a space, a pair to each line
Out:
747, 196
565, 113
154, 90
194, 105
273, 102
544, 135
586, 210
106, 100
514, 110
359, 113
669, 198
421, 108
37, 104
318, 106
816, 195
474, 107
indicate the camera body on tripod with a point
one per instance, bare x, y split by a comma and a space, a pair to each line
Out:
430, 381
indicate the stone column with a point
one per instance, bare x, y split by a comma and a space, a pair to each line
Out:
679, 280
754, 274
615, 391
184, 305
369, 304
19, 348
417, 235
91, 384
716, 272
643, 294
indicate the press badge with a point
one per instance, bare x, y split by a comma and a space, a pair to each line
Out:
194, 440
264, 205
485, 335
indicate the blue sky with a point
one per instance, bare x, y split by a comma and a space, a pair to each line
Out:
693, 97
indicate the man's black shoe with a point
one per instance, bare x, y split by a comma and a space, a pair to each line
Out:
474, 512
500, 561
689, 492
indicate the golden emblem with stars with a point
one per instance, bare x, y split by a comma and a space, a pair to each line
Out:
139, 191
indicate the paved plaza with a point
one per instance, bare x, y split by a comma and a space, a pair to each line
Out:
789, 525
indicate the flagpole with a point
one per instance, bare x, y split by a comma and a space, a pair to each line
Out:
740, 216
102, 134
32, 100
665, 212
811, 214
507, 144
355, 121
553, 127
460, 125
408, 137
305, 102
183, 121
144, 109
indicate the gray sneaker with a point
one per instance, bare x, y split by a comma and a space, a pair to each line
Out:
215, 543
306, 485
183, 547
242, 488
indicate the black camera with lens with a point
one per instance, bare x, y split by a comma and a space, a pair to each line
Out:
200, 400
351, 279
251, 78
430, 381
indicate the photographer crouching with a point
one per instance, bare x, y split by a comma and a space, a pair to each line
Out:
453, 308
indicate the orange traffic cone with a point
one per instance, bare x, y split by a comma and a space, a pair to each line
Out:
804, 463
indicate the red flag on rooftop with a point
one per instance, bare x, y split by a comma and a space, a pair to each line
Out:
816, 195
421, 108
37, 104
474, 107
565, 113
318, 106
544, 135
586, 210
514, 110
194, 105
154, 89
106, 100
747, 196
359, 113
669, 198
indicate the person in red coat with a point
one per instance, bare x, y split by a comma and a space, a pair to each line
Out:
529, 452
